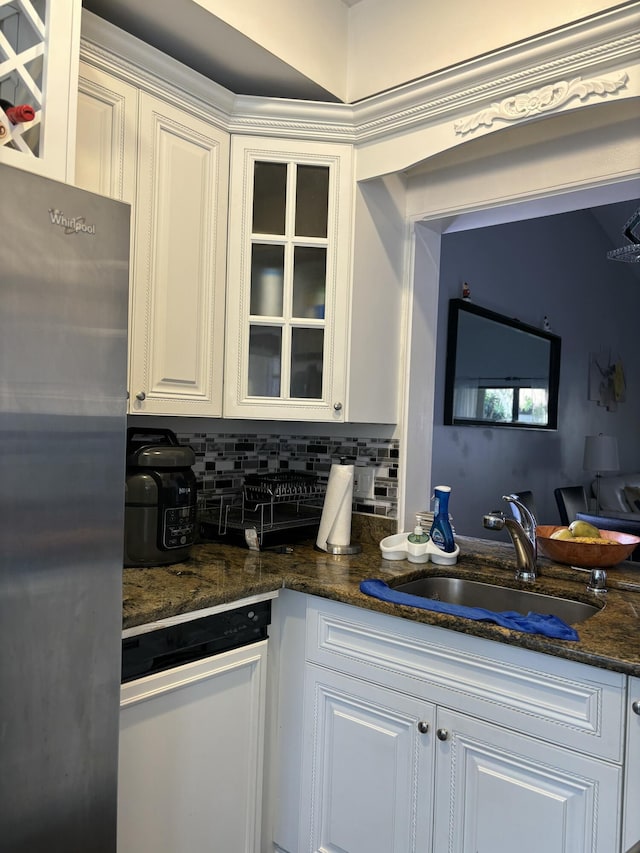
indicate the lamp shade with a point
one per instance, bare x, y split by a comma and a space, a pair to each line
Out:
601, 453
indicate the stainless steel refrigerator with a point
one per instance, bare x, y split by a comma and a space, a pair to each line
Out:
64, 256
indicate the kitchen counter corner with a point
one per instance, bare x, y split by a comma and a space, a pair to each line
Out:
218, 574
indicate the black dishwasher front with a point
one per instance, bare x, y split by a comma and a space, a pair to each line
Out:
173, 645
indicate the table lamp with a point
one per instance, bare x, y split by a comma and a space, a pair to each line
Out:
600, 455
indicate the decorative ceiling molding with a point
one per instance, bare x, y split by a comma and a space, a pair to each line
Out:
595, 51
116, 52
551, 97
598, 46
588, 49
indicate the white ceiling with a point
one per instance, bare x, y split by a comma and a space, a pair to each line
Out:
187, 32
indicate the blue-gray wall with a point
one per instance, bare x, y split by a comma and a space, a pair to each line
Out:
554, 266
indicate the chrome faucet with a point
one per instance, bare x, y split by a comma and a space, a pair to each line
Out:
523, 536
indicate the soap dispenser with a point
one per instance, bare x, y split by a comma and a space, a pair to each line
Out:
441, 532
417, 545
418, 536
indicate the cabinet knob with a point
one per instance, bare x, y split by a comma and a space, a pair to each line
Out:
442, 734
140, 396
337, 407
423, 727
635, 706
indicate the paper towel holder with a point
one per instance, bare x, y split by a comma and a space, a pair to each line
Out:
343, 549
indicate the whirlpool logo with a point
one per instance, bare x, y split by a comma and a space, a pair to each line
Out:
75, 225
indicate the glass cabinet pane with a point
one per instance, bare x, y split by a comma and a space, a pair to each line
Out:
265, 345
269, 198
307, 346
312, 201
309, 281
267, 280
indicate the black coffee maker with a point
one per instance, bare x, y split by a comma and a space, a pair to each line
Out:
160, 499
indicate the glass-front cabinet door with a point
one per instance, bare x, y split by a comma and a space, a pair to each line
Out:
288, 280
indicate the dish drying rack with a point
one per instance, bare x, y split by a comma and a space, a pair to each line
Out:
425, 519
273, 502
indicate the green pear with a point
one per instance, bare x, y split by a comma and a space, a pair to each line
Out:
583, 528
562, 533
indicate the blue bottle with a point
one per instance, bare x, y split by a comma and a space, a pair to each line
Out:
441, 532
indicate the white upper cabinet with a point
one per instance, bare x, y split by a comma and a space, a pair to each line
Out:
39, 49
177, 323
107, 134
288, 282
315, 279
171, 165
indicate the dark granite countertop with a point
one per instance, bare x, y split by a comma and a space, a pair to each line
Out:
219, 574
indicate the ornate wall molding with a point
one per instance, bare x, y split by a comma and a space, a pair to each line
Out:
546, 99
593, 47
602, 45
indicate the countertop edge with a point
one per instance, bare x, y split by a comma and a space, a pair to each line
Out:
221, 574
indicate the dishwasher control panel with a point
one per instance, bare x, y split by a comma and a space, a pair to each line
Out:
165, 648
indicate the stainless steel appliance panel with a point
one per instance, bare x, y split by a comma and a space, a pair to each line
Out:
64, 257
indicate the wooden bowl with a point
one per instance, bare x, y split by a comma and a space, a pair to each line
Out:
586, 555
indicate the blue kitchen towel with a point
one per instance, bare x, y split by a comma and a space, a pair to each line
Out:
532, 623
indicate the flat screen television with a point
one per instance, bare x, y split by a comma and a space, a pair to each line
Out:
500, 372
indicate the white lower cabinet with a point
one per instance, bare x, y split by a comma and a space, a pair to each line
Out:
381, 758
631, 824
498, 791
371, 768
423, 739
191, 746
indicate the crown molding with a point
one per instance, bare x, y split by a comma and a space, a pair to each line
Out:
119, 53
588, 55
587, 47
578, 55
287, 118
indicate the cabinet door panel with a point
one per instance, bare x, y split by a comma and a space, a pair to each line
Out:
106, 137
571, 704
369, 768
191, 742
631, 824
289, 261
499, 791
178, 304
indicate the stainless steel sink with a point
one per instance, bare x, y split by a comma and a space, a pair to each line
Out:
498, 598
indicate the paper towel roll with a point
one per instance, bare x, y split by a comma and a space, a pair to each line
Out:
335, 522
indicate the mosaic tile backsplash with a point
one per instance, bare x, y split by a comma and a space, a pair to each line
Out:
223, 460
